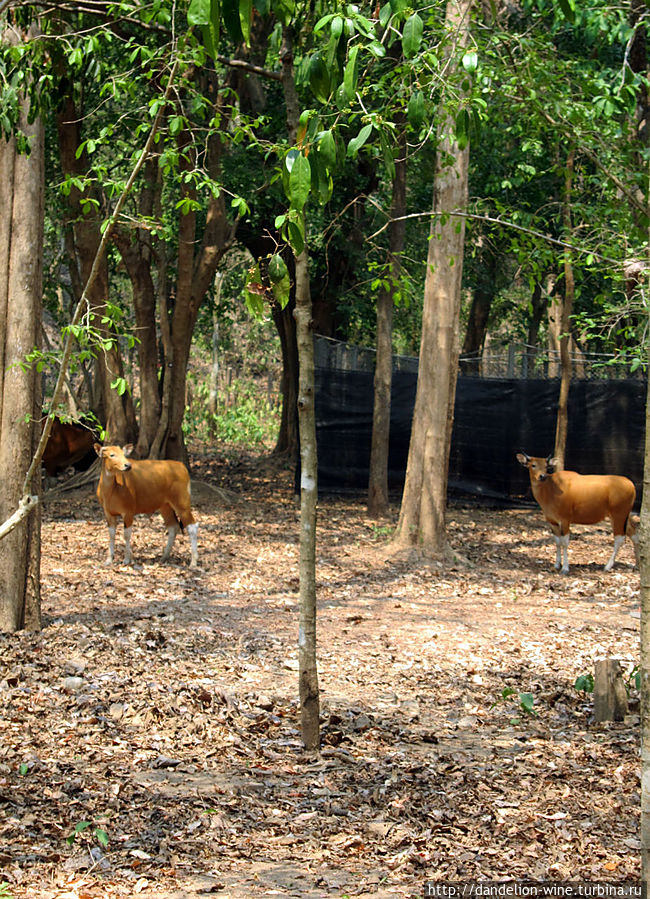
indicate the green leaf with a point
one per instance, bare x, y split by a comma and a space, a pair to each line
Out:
384, 14
323, 21
376, 49
327, 148
102, 837
321, 181
300, 182
412, 36
296, 237
284, 10
245, 16
230, 13
526, 701
351, 74
290, 158
415, 110
585, 683
569, 10
462, 129
319, 78
121, 385
277, 268
282, 291
470, 61
357, 142
199, 12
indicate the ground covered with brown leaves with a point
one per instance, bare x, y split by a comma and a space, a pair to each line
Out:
156, 712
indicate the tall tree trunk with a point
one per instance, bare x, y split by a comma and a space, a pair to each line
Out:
562, 425
378, 476
422, 519
21, 253
195, 272
118, 413
307, 660
136, 250
639, 64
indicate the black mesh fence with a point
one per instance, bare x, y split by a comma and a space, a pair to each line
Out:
494, 419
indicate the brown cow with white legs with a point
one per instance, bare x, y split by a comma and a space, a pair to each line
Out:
567, 498
141, 487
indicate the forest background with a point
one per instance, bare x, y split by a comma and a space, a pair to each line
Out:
187, 158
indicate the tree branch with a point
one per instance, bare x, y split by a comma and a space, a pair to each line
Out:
565, 245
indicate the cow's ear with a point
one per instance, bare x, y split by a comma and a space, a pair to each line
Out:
128, 449
98, 449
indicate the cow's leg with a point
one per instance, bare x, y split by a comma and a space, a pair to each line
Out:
559, 545
128, 530
173, 528
193, 531
112, 527
618, 542
111, 544
633, 534
561, 535
188, 521
563, 545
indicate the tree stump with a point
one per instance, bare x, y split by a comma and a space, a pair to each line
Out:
610, 695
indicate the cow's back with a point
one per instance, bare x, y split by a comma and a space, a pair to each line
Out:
154, 482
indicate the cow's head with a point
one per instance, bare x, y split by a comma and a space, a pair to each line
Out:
538, 467
114, 457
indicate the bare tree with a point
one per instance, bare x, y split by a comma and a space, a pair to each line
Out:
378, 478
307, 662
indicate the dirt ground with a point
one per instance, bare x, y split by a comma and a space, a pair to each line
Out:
156, 712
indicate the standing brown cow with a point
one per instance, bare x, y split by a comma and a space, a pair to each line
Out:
141, 487
567, 498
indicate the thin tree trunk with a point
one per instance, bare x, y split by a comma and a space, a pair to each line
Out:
287, 442
479, 314
644, 660
307, 660
422, 521
378, 476
214, 367
538, 303
21, 248
562, 424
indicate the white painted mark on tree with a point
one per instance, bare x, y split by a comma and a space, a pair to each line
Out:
307, 483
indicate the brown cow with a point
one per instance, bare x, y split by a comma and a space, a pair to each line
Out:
567, 497
142, 487
69, 443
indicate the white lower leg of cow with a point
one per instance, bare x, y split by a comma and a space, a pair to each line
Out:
618, 542
172, 530
558, 552
563, 544
128, 558
111, 545
193, 531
